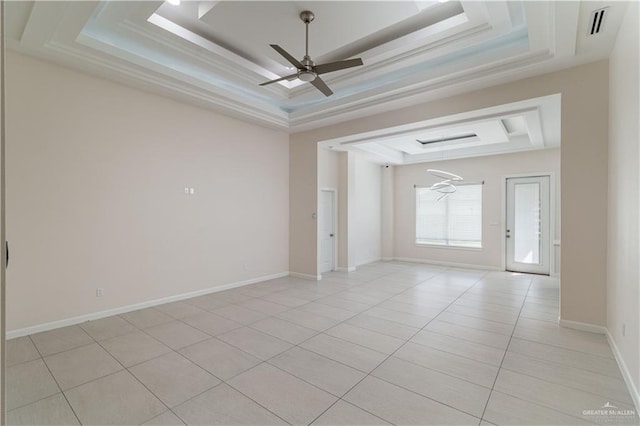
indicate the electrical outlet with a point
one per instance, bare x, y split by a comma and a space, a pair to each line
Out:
99, 292
624, 329
186, 190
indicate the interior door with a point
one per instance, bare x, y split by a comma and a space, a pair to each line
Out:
327, 231
527, 232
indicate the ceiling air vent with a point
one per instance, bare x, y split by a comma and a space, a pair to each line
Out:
596, 22
448, 139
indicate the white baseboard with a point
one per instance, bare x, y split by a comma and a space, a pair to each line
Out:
134, 307
633, 390
366, 262
628, 379
388, 259
305, 276
583, 326
443, 263
346, 269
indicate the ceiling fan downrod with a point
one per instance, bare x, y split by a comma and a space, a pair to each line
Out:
307, 17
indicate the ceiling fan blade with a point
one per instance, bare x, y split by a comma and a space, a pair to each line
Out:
339, 65
289, 77
288, 57
322, 86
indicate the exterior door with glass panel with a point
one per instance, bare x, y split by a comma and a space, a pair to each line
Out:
527, 232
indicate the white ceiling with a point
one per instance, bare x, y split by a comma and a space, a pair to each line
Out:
527, 125
215, 53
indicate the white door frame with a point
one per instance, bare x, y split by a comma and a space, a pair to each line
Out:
335, 229
3, 254
552, 217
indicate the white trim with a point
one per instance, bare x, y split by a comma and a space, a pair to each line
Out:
366, 262
444, 263
583, 326
334, 266
447, 247
346, 269
388, 259
305, 276
633, 390
128, 308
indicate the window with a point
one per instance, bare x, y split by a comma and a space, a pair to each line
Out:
455, 220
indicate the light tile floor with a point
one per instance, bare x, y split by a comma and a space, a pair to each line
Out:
391, 343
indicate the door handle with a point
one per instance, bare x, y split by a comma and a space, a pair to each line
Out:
6, 265
331, 235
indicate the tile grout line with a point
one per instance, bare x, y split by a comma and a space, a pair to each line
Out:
530, 402
311, 384
56, 381
522, 399
322, 332
262, 362
571, 350
175, 351
506, 350
123, 369
390, 355
286, 372
608, 397
317, 332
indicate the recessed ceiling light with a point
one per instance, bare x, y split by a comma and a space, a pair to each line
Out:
442, 1
174, 2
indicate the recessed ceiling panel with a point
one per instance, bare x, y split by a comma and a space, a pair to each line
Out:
475, 133
251, 26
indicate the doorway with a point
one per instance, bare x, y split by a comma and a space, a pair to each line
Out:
327, 230
527, 232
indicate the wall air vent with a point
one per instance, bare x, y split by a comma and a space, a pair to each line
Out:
447, 139
596, 21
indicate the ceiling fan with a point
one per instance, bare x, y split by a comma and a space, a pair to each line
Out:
307, 70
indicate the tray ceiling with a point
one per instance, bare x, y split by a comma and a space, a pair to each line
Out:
526, 125
215, 53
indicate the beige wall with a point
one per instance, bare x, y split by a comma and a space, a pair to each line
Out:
95, 195
584, 136
623, 256
491, 170
328, 168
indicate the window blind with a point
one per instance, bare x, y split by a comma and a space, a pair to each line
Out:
455, 220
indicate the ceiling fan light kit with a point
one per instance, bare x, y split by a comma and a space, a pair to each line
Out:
307, 70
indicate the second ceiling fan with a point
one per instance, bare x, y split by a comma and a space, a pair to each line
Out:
307, 70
